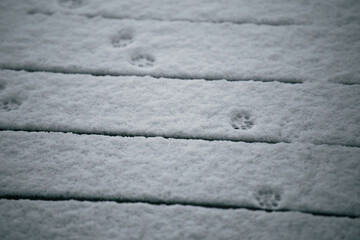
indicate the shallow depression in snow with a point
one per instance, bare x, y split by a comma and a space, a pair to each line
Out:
9, 104
122, 39
142, 60
71, 3
2, 86
241, 119
268, 197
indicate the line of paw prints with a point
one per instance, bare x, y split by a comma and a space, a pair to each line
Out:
268, 197
120, 40
241, 119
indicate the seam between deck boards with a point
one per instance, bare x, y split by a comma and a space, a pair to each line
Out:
115, 74
62, 70
57, 198
274, 23
132, 135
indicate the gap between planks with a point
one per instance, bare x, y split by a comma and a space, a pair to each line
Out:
179, 137
101, 73
275, 23
223, 206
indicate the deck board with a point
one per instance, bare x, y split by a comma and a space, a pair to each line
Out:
84, 220
72, 43
144, 106
298, 177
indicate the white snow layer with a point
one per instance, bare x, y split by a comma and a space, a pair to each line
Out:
304, 177
76, 43
248, 111
316, 42
84, 220
271, 12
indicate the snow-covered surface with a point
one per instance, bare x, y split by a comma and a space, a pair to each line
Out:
251, 111
75, 43
303, 177
84, 220
314, 43
271, 12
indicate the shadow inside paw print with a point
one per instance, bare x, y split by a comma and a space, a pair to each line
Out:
2, 86
241, 119
8, 105
71, 4
142, 60
268, 198
122, 39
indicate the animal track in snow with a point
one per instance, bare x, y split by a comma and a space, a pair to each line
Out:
70, 4
241, 119
122, 39
10, 104
2, 86
142, 60
268, 197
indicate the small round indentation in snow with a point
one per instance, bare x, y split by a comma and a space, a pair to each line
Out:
241, 119
71, 4
10, 104
268, 197
142, 60
2, 86
122, 38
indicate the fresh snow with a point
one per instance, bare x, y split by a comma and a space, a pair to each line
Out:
268, 12
249, 111
74, 43
304, 177
84, 220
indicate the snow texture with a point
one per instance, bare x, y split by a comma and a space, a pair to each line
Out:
76, 43
269, 12
84, 220
160, 125
303, 177
74, 220
247, 111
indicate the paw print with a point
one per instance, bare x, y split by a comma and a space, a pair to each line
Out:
122, 39
142, 60
2, 86
71, 4
241, 119
10, 104
268, 198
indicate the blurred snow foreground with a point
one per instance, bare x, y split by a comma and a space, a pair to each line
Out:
180, 119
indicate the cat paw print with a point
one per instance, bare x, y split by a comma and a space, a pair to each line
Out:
71, 4
142, 60
241, 119
10, 104
122, 39
268, 198
2, 86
